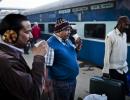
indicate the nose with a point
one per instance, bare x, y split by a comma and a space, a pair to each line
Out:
30, 35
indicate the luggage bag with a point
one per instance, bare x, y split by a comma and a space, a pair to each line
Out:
113, 89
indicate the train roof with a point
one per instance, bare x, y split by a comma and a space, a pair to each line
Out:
63, 4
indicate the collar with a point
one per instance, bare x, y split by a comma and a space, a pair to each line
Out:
59, 38
13, 47
118, 32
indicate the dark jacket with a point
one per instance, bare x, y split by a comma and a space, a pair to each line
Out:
17, 81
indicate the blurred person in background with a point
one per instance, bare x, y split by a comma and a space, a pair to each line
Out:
36, 31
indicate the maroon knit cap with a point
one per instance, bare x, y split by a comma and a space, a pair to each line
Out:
60, 25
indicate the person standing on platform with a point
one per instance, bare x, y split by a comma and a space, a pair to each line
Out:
115, 64
63, 67
36, 32
17, 80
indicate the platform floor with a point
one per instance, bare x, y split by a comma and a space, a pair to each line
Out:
86, 72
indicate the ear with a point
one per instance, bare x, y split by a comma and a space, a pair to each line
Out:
10, 36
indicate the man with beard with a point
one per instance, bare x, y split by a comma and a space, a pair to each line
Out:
115, 64
17, 80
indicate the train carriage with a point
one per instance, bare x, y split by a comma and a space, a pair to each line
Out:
93, 19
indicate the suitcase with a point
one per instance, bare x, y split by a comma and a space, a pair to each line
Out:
113, 89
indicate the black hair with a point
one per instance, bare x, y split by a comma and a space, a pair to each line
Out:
121, 19
12, 22
73, 31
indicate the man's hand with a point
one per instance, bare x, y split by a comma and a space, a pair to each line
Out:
41, 49
78, 43
48, 86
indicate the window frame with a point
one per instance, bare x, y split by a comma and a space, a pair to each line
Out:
93, 35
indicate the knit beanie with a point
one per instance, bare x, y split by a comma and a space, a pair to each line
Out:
60, 25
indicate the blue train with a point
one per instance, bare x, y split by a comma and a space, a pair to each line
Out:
93, 19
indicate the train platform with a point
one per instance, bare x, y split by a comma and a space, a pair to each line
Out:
87, 70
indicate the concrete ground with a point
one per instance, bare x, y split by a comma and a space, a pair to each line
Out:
86, 72
83, 78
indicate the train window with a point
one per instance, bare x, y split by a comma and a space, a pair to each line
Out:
41, 26
128, 34
95, 31
51, 28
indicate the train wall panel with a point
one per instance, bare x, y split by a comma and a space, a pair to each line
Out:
99, 15
93, 52
51, 17
68, 16
34, 18
104, 15
95, 15
48, 17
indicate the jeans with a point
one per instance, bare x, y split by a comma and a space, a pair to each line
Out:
123, 77
64, 90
